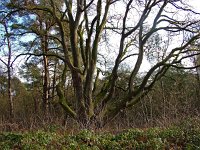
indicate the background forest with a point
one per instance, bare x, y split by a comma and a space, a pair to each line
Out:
59, 64
173, 99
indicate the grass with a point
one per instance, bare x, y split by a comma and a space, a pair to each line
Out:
185, 135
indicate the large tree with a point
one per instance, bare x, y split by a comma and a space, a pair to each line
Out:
87, 30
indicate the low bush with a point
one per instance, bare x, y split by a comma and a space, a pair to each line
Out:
185, 135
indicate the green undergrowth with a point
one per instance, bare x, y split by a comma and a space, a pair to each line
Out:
185, 135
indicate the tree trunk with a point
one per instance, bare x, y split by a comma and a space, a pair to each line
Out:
45, 86
80, 102
44, 44
10, 97
53, 87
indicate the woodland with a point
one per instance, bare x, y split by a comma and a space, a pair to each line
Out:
98, 64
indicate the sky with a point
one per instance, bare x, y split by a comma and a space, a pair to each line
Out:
195, 4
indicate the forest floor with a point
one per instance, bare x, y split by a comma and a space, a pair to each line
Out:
185, 135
